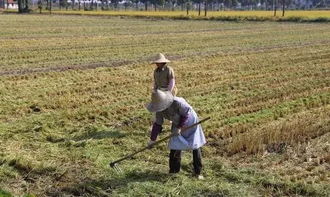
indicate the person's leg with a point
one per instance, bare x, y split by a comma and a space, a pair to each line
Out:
175, 161
197, 161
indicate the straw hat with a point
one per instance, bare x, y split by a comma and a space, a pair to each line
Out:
161, 59
160, 100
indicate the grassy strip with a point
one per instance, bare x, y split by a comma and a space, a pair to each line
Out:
235, 18
273, 183
7, 194
4, 193
278, 111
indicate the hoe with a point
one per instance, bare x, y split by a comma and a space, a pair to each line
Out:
114, 164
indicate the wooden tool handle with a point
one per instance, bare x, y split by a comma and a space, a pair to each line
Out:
157, 142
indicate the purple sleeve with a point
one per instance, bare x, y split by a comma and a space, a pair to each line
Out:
171, 84
156, 129
183, 120
184, 109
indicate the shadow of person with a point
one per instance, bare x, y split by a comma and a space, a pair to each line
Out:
105, 186
94, 134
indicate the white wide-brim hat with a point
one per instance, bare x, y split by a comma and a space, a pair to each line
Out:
160, 59
160, 100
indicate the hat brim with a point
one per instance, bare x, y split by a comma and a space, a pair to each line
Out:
153, 107
161, 61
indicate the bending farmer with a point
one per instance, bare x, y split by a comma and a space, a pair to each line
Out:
177, 110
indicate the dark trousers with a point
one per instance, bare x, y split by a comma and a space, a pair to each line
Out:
175, 161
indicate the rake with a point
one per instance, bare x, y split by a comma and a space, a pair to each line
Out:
114, 164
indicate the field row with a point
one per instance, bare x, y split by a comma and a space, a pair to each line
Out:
108, 42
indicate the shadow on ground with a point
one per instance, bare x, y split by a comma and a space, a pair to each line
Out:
94, 134
105, 186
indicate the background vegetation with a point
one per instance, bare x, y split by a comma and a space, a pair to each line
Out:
292, 16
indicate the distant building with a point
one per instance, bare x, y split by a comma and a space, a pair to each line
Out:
10, 4
303, 4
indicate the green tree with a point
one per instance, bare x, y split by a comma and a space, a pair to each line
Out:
145, 2
188, 6
199, 2
275, 6
40, 5
115, 3
157, 2
136, 3
181, 3
23, 6
173, 2
73, 4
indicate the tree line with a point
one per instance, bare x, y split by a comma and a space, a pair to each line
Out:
171, 5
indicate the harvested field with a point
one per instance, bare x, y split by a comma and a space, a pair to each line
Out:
73, 89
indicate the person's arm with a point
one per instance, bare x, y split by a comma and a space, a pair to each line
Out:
155, 85
183, 114
171, 84
184, 110
171, 79
156, 127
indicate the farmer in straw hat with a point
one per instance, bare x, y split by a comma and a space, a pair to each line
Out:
164, 75
176, 109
